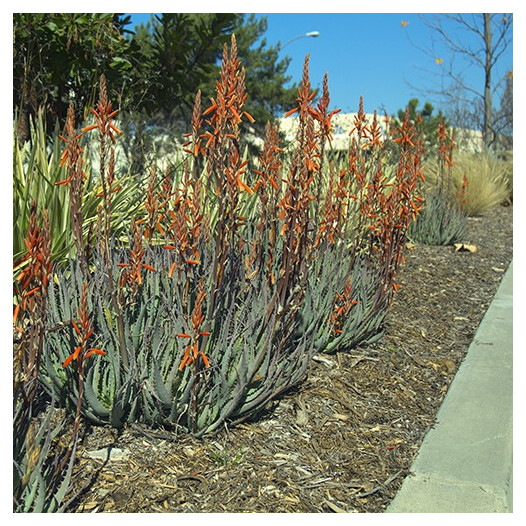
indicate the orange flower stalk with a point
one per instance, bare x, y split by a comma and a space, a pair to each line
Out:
132, 276
81, 353
29, 313
375, 134
104, 114
225, 167
406, 132
342, 306
446, 146
152, 207
192, 352
83, 334
72, 158
194, 146
297, 216
268, 186
322, 115
359, 130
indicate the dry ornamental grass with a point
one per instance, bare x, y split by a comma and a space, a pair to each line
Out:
489, 180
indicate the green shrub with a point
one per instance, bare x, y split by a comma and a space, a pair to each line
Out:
37, 174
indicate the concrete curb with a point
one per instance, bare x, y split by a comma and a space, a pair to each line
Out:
465, 462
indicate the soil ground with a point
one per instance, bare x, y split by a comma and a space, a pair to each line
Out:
345, 438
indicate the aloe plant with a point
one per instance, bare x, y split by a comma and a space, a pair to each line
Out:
42, 472
441, 222
216, 299
110, 390
363, 312
250, 361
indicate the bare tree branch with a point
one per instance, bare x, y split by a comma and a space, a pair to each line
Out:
478, 40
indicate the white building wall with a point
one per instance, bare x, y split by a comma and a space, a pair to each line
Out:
343, 123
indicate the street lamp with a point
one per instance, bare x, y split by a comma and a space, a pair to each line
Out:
309, 34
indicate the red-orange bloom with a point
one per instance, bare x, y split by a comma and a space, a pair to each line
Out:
290, 112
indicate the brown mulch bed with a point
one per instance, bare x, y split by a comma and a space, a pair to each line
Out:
344, 440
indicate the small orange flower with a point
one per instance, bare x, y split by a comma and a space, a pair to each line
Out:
290, 112
91, 352
244, 186
249, 117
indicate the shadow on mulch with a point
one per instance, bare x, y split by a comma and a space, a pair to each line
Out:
344, 440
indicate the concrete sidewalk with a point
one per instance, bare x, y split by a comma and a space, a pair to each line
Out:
465, 462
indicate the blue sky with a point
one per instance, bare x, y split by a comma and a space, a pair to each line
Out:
369, 54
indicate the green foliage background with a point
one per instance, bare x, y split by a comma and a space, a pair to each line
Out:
153, 71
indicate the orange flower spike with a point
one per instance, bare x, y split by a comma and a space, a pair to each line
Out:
186, 359
291, 112
89, 128
76, 327
205, 360
211, 108
67, 361
91, 352
244, 186
249, 117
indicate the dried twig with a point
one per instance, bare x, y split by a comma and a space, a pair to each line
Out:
380, 487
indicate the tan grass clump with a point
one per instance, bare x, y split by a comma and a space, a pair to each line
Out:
489, 181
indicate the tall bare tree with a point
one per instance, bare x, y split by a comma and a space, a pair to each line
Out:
493, 36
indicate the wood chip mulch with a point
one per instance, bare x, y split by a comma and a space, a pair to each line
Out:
343, 440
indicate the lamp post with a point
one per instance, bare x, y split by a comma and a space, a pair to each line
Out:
309, 34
